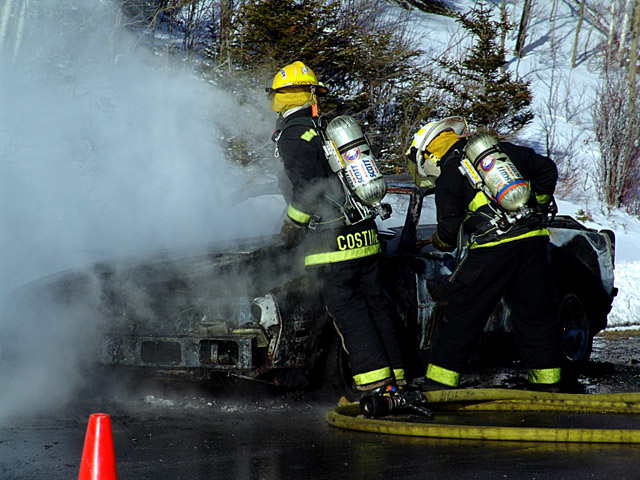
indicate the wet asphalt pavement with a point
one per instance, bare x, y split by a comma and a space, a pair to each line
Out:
248, 432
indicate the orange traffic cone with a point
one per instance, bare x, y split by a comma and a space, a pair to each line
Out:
98, 456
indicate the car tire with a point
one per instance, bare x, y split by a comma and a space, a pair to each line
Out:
337, 372
576, 337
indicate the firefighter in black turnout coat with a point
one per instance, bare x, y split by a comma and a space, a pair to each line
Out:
500, 258
345, 257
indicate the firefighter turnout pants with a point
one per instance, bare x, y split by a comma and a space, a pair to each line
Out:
353, 294
519, 270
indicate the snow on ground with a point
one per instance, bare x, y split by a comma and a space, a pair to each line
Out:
626, 305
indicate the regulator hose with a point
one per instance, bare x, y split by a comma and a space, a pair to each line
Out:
501, 400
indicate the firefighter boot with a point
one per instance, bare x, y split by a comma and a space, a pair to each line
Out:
424, 384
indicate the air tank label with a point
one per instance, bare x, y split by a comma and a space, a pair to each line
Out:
508, 171
362, 171
370, 167
487, 163
355, 175
500, 176
352, 154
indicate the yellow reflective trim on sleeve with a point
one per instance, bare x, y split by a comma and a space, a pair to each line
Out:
436, 240
544, 375
442, 375
309, 134
543, 198
298, 216
372, 376
478, 201
340, 256
446, 245
542, 232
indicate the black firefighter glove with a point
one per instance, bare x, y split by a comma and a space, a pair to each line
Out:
546, 206
440, 245
292, 233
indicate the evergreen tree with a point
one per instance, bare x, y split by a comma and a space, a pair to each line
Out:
476, 86
273, 33
364, 58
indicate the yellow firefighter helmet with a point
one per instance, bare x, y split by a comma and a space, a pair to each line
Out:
295, 85
296, 74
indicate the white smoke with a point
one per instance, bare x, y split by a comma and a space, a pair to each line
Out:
104, 152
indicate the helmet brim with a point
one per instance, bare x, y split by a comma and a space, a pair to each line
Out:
320, 89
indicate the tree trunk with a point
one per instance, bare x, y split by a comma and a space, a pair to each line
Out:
624, 32
575, 42
612, 33
225, 27
554, 11
503, 31
524, 26
633, 55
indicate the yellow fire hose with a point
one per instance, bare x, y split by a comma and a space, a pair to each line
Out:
500, 400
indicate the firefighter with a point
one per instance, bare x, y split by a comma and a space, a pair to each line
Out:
345, 257
500, 259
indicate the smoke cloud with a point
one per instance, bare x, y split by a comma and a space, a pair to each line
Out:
105, 152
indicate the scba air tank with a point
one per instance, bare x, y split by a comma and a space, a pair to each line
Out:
498, 172
356, 159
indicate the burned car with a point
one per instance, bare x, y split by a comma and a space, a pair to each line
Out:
248, 309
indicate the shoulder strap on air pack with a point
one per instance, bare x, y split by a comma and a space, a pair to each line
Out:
292, 122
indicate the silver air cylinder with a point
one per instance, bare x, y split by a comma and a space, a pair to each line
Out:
498, 172
356, 159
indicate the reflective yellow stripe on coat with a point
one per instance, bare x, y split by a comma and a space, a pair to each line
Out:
480, 200
340, 256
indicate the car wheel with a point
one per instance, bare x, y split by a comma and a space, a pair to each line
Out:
337, 373
575, 333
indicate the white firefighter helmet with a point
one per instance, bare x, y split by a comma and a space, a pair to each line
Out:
427, 160
429, 144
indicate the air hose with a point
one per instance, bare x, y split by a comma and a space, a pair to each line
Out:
447, 403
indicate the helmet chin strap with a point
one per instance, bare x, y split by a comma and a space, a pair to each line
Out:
314, 102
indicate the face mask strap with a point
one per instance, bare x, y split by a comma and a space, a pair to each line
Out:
314, 101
